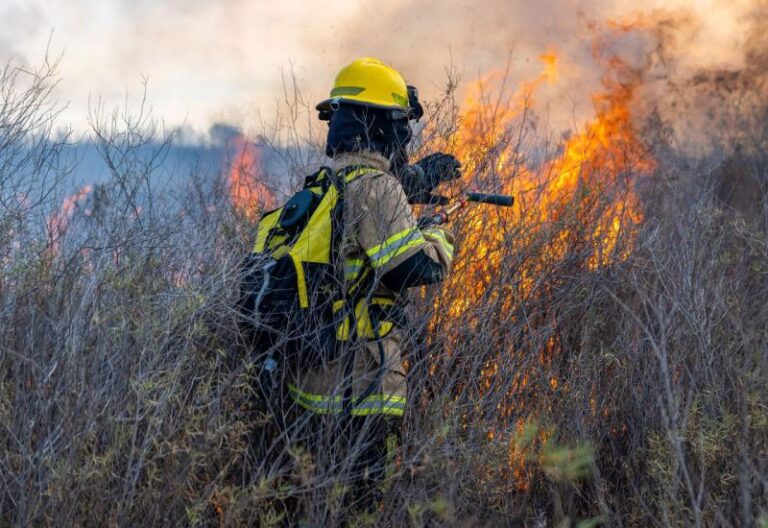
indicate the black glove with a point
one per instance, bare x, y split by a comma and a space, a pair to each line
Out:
440, 167
420, 179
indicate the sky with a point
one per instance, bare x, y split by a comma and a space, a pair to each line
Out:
226, 61
203, 61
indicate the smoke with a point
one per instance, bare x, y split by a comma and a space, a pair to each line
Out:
204, 61
691, 62
17, 22
726, 102
208, 62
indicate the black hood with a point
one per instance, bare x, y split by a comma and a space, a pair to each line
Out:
358, 128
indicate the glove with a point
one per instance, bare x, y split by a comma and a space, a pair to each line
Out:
420, 179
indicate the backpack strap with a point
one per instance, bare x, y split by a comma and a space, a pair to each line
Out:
317, 178
340, 180
345, 307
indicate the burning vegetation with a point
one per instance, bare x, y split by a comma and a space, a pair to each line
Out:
598, 353
585, 192
576, 210
59, 220
248, 191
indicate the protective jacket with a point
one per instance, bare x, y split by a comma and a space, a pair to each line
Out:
383, 252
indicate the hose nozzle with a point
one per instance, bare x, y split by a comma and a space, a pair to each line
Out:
442, 217
501, 200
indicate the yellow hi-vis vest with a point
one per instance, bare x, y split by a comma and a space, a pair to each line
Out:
320, 280
315, 243
307, 275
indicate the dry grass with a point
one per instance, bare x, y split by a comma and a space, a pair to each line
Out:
128, 398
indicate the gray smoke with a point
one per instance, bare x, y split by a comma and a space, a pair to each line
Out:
17, 22
693, 62
222, 61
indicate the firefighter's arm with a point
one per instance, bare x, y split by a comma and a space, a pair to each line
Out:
403, 255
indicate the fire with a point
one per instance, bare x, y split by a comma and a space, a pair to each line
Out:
57, 223
550, 74
247, 192
582, 196
576, 208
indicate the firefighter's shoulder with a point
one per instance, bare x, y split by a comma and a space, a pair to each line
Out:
378, 185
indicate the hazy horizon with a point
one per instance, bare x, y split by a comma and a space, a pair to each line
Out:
225, 62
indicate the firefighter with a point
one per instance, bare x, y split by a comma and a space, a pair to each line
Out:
384, 253
351, 401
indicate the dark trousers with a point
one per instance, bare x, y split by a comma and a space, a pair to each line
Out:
353, 454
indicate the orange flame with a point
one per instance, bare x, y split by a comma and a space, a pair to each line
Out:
550, 72
247, 192
585, 185
580, 202
57, 223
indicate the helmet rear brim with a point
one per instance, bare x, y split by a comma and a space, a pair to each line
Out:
327, 104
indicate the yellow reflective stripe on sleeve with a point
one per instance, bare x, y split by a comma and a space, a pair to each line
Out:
440, 236
352, 268
394, 246
390, 409
375, 404
301, 282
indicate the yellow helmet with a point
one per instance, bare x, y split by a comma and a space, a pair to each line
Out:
368, 82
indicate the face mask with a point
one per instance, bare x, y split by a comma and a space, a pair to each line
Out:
357, 129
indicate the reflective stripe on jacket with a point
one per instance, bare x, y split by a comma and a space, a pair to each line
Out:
380, 234
324, 404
